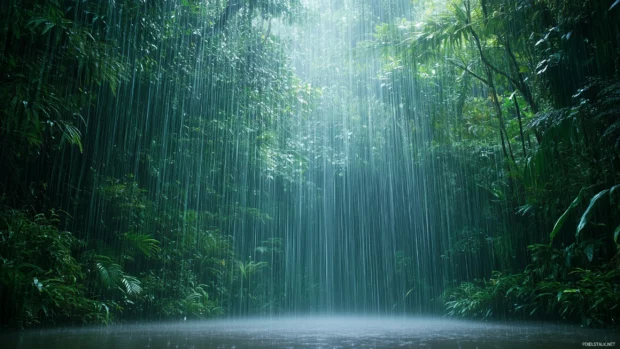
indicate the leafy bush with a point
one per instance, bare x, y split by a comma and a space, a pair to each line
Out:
197, 303
470, 300
42, 282
546, 289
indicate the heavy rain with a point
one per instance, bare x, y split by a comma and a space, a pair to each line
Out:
309, 173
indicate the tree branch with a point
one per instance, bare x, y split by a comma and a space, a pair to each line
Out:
469, 71
522, 86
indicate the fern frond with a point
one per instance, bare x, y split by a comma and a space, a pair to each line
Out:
131, 285
112, 275
143, 242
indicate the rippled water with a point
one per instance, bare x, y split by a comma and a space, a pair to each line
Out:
317, 332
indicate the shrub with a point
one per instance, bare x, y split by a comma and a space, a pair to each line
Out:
41, 281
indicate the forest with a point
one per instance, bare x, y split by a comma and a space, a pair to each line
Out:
191, 159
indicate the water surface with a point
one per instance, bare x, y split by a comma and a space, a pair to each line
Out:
316, 332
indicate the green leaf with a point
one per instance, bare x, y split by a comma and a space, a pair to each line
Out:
71, 134
589, 251
105, 276
47, 27
560, 222
612, 191
131, 285
617, 234
588, 212
571, 290
144, 242
107, 311
614, 4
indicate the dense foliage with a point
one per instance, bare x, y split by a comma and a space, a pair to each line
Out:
190, 159
65, 67
534, 84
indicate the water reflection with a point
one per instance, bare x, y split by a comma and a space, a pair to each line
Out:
316, 332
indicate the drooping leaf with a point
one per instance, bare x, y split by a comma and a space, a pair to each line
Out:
612, 192
560, 222
71, 134
588, 212
589, 251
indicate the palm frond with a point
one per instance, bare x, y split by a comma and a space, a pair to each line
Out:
131, 285
70, 134
250, 268
111, 275
144, 243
